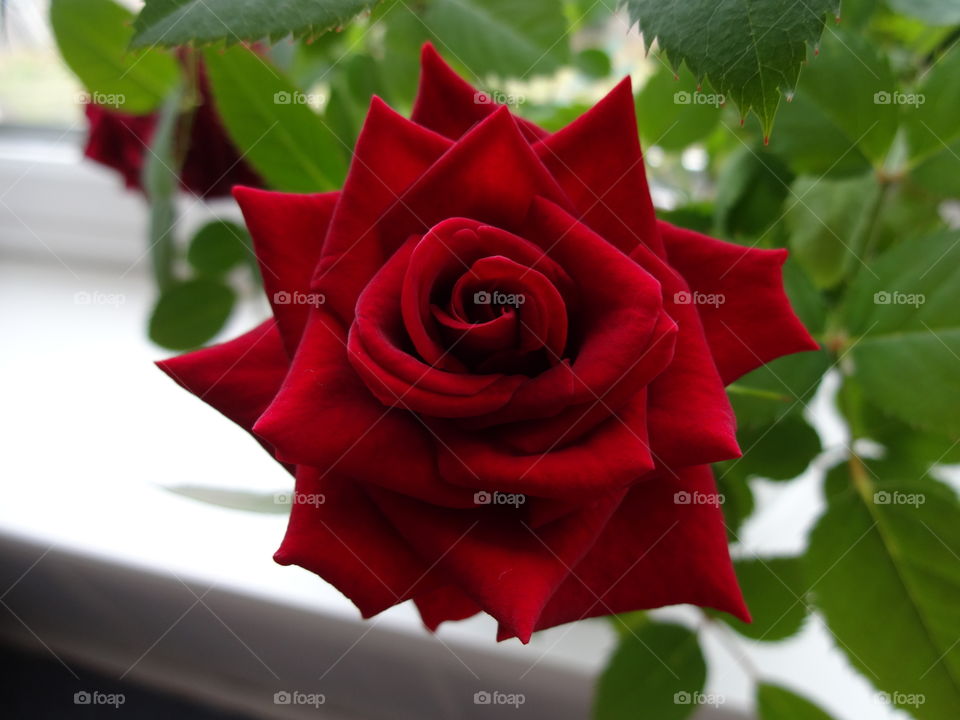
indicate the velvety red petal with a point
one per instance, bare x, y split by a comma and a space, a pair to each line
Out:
443, 604
336, 532
119, 141
391, 153
288, 232
449, 105
754, 323
239, 378
324, 416
598, 163
657, 550
507, 567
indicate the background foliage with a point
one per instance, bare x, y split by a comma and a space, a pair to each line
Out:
770, 124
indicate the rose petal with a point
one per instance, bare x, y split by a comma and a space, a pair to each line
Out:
288, 232
598, 163
504, 565
449, 105
654, 552
239, 378
336, 532
444, 603
754, 323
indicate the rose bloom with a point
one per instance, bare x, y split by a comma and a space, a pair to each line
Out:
211, 164
487, 359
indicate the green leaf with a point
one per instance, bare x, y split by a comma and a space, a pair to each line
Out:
930, 112
355, 82
273, 503
780, 451
751, 191
670, 112
778, 388
93, 37
218, 247
656, 673
885, 569
404, 35
738, 502
838, 123
190, 313
272, 123
749, 50
807, 301
593, 63
178, 22
501, 37
902, 313
777, 703
774, 590
826, 218
940, 172
160, 182
932, 12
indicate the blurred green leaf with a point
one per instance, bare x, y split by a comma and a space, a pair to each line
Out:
751, 190
650, 675
780, 451
273, 125
352, 86
93, 37
940, 172
930, 112
738, 502
179, 22
842, 108
778, 388
501, 37
777, 703
774, 590
404, 35
807, 301
190, 313
903, 315
671, 113
885, 566
827, 218
932, 12
218, 247
593, 63
273, 503
160, 183
750, 50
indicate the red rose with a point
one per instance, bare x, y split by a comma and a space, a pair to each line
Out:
490, 361
211, 163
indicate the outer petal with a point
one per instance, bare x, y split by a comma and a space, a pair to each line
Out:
503, 564
655, 551
755, 323
288, 232
444, 603
336, 532
324, 416
449, 105
239, 378
391, 153
597, 161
